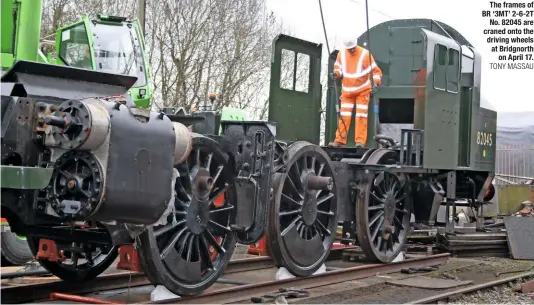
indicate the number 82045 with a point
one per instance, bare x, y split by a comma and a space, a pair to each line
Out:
484, 138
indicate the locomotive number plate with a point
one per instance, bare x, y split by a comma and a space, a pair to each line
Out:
484, 138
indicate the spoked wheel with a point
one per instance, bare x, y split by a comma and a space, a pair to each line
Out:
383, 211
189, 253
302, 219
78, 266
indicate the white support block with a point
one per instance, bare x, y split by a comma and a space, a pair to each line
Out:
399, 257
161, 293
283, 274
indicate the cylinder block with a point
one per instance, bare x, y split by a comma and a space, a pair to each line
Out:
183, 144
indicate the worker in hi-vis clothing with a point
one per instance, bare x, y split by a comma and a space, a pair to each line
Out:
354, 64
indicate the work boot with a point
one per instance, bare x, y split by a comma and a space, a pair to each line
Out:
336, 144
358, 145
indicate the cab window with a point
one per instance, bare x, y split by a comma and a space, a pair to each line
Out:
446, 68
452, 70
295, 71
74, 47
440, 67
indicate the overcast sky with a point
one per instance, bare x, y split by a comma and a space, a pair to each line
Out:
506, 90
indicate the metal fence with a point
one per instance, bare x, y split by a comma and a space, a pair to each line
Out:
514, 164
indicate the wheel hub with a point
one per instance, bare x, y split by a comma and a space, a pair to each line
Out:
197, 216
202, 184
198, 211
74, 184
309, 209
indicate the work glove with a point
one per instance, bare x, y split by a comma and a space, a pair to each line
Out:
374, 89
335, 76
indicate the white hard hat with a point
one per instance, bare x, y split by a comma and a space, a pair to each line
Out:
350, 42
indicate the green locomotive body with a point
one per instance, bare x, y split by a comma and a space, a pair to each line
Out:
430, 142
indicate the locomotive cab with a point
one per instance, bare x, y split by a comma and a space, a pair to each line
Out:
429, 103
431, 89
458, 132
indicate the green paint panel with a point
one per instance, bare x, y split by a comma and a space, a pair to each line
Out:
484, 152
439, 110
7, 27
510, 197
20, 33
21, 177
232, 114
28, 27
295, 89
6, 60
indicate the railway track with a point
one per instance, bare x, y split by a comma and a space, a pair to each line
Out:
246, 292
242, 290
41, 291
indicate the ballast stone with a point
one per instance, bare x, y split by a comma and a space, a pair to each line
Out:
283, 274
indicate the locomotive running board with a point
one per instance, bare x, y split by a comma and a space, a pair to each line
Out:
61, 82
25, 178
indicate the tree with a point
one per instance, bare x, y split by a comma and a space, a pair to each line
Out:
194, 47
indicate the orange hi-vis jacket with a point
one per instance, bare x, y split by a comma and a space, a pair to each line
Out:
356, 71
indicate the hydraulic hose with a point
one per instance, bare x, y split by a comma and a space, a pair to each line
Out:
338, 103
368, 34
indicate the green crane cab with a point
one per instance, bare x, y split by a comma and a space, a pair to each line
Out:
107, 44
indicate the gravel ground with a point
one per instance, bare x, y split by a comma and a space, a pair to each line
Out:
478, 270
503, 294
488, 266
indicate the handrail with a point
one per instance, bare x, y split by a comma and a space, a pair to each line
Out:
439, 26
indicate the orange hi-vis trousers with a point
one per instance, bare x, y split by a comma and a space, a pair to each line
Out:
361, 102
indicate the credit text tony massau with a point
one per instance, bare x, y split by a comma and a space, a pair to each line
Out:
512, 66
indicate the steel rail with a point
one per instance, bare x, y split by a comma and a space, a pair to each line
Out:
445, 295
40, 291
246, 292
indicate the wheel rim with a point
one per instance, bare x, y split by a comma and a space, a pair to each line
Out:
383, 211
77, 178
195, 246
78, 266
303, 217
80, 262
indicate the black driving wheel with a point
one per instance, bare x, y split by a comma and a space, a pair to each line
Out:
189, 253
383, 210
82, 263
302, 218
